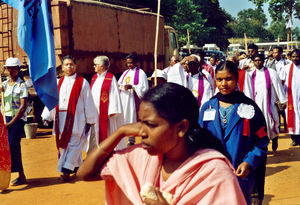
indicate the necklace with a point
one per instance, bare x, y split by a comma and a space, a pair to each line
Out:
224, 117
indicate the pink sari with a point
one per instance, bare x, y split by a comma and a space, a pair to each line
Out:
207, 177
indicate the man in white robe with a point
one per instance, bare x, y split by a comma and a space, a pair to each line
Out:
292, 83
177, 75
173, 60
85, 116
261, 78
278, 62
133, 84
248, 63
202, 91
115, 114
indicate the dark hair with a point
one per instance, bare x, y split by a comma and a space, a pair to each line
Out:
132, 56
241, 53
279, 49
261, 56
230, 66
68, 57
174, 103
201, 53
253, 46
295, 51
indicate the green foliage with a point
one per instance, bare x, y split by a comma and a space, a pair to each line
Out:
253, 22
281, 9
278, 29
188, 17
296, 34
206, 21
217, 19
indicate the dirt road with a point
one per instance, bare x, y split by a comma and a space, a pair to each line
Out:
45, 186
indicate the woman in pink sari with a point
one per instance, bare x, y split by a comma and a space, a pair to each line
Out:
176, 163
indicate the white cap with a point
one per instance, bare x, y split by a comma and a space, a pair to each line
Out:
160, 74
12, 62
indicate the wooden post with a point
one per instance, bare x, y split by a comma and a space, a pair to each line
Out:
246, 44
156, 43
188, 41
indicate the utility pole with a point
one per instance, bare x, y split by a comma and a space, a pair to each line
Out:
289, 25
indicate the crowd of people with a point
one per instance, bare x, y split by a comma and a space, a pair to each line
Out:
205, 126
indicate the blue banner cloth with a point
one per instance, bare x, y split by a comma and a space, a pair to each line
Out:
36, 38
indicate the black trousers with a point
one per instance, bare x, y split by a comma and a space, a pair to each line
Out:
15, 133
259, 184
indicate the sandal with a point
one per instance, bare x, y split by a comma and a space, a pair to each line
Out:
18, 181
65, 177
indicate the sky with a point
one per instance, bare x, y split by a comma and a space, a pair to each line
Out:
234, 6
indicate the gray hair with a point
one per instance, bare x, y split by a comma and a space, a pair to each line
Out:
102, 60
197, 56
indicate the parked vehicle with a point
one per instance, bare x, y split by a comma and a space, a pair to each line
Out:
220, 55
85, 29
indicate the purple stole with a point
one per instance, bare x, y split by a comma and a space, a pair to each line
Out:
268, 82
200, 88
135, 82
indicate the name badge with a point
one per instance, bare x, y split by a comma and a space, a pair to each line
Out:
209, 115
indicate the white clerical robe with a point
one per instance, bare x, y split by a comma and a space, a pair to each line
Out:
284, 75
277, 94
85, 113
247, 90
115, 113
193, 83
127, 97
279, 65
176, 74
247, 62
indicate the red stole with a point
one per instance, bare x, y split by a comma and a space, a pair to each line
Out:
242, 74
63, 140
290, 106
103, 105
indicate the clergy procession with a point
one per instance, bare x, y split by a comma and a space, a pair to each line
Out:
241, 107
200, 130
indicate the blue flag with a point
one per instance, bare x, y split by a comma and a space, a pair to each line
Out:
36, 38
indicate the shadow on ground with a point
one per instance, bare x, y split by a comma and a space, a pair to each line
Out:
38, 182
267, 199
287, 155
273, 170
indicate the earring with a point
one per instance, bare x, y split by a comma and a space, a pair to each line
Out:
180, 134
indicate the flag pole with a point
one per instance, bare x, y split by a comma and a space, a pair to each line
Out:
156, 43
2, 99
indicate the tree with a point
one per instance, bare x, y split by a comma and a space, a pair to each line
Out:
253, 22
216, 19
188, 17
281, 9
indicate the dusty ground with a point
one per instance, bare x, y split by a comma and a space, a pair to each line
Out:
46, 187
